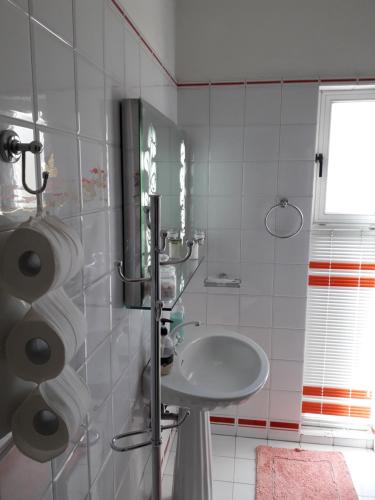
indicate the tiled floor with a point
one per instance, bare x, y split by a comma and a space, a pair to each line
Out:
234, 467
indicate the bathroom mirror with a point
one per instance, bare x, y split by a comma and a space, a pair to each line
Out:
154, 160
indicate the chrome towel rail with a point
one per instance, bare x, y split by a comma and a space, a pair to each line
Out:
283, 203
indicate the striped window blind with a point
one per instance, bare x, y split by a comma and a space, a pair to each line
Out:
339, 369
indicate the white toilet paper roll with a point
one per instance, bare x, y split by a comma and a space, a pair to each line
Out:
12, 311
45, 340
13, 392
48, 419
40, 255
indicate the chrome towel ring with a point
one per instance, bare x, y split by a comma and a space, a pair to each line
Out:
283, 203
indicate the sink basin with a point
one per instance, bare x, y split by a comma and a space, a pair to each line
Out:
212, 368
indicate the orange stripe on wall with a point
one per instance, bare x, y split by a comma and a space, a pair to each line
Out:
341, 281
336, 392
336, 409
355, 266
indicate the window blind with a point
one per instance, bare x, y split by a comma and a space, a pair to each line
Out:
339, 369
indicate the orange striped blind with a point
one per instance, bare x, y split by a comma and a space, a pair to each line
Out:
339, 373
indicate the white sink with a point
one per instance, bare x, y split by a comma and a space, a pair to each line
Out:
212, 368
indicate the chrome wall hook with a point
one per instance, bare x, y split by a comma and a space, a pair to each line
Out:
11, 149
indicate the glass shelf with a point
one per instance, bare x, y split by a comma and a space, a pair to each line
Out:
184, 273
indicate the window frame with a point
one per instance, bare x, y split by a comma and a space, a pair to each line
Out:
327, 96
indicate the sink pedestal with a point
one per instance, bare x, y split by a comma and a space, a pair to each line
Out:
193, 465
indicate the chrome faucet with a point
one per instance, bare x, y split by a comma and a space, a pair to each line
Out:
173, 332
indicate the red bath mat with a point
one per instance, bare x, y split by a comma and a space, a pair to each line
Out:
284, 474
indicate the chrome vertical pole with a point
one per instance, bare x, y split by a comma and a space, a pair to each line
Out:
156, 310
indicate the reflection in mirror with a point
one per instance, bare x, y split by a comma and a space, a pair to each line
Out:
154, 160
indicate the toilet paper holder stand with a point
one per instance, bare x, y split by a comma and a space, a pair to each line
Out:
12, 149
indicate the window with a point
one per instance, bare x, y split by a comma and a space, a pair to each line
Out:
346, 140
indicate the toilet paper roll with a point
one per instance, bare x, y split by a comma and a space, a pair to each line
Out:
49, 418
45, 340
40, 255
13, 392
12, 311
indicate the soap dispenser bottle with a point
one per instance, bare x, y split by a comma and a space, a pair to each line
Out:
167, 348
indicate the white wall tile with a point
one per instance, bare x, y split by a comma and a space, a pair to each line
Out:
100, 421
55, 87
257, 246
255, 311
224, 212
296, 178
193, 106
285, 405
96, 245
99, 374
94, 175
226, 144
91, 100
132, 65
291, 280
257, 279
297, 142
197, 139
259, 178
198, 178
16, 82
224, 245
195, 307
56, 15
98, 313
254, 211
225, 179
227, 105
293, 250
114, 61
289, 312
261, 143
299, 104
286, 375
60, 156
89, 20
288, 344
256, 407
263, 104
222, 309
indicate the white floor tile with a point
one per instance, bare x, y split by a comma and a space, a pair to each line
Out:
243, 492
245, 447
223, 469
223, 446
222, 490
167, 485
316, 447
244, 471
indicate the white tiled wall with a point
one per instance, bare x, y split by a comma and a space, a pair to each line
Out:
250, 146
69, 62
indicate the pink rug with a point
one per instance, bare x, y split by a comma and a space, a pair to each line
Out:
284, 474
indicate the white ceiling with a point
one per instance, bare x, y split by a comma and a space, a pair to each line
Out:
231, 39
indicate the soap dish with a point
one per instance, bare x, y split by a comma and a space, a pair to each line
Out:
222, 280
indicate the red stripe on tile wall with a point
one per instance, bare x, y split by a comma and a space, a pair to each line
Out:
248, 422
222, 420
292, 426
338, 410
